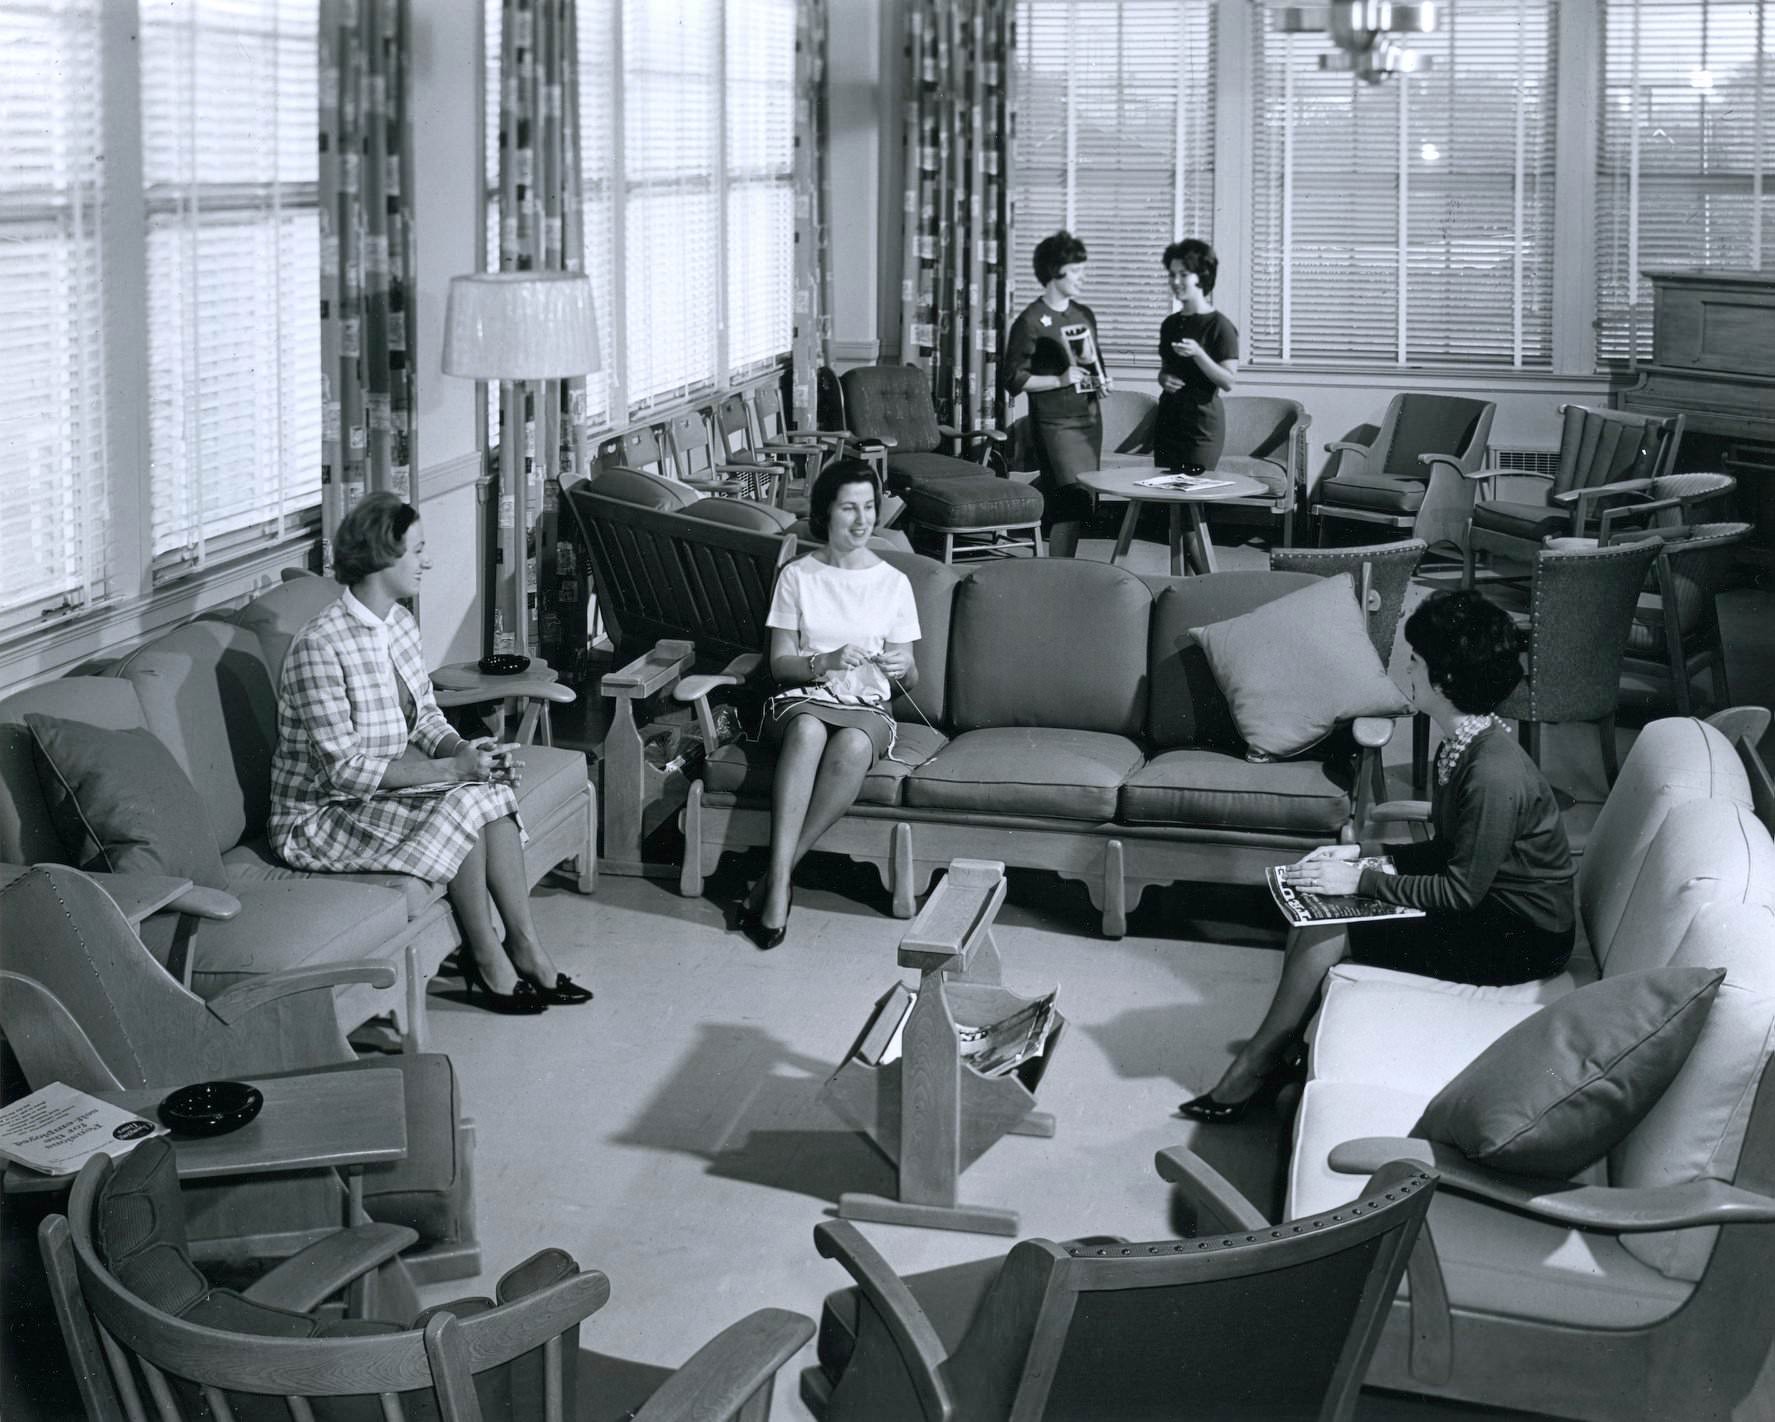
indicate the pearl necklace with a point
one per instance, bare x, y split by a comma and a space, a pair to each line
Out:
1449, 754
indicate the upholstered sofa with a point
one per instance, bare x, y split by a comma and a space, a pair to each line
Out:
206, 690
1619, 1317
1066, 719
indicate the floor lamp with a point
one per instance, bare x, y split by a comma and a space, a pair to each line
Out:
519, 328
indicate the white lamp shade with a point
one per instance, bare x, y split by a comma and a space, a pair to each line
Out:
521, 326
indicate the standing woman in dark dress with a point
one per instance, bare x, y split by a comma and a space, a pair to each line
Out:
1052, 356
1198, 357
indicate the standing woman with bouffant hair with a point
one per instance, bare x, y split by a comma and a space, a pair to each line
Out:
1198, 358
1052, 356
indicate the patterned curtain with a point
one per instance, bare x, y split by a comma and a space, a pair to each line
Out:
954, 291
541, 224
813, 205
366, 255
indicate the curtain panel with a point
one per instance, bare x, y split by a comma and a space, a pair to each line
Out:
541, 228
366, 255
954, 289
813, 207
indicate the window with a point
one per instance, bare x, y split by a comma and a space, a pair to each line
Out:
1408, 222
159, 281
687, 142
1683, 149
1114, 141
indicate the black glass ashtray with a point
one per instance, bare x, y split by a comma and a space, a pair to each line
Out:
502, 664
210, 1108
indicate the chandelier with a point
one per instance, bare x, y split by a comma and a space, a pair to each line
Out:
1364, 32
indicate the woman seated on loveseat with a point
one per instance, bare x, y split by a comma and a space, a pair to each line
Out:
1494, 881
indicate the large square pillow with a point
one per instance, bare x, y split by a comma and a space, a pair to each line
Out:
1562, 1088
1294, 668
123, 792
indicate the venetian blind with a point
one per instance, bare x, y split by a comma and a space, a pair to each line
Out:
671, 135
53, 478
759, 93
229, 104
1114, 142
1683, 151
1408, 222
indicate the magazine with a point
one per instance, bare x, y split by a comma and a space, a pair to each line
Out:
1301, 907
991, 1048
1189, 483
58, 1129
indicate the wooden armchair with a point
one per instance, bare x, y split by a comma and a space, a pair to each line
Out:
135, 1326
1277, 1323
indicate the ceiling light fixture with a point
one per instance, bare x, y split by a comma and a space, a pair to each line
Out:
1364, 31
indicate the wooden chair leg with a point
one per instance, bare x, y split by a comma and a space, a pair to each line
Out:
1611, 757
1288, 527
1467, 567
1420, 754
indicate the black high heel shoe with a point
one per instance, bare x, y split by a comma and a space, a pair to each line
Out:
522, 1001
1212, 1111
563, 993
752, 925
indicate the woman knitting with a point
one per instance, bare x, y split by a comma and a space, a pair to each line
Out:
1494, 881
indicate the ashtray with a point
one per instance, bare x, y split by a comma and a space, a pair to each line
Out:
210, 1108
502, 664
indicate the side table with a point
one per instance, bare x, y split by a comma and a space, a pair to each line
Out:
465, 684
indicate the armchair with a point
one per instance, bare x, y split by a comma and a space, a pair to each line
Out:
138, 1316
1419, 474
1273, 1324
698, 463
1603, 454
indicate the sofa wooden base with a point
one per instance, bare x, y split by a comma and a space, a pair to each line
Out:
1115, 863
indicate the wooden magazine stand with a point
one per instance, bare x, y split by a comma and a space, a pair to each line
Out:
930, 1111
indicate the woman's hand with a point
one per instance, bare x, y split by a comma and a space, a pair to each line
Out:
1170, 383
1330, 869
1188, 349
840, 659
1077, 375
484, 759
895, 661
1332, 851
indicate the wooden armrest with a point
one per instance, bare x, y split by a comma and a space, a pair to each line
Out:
736, 1364
921, 1350
1453, 461
1591, 492
1594, 1207
306, 1280
736, 673
972, 436
1407, 810
216, 905
1208, 1189
651, 672
1347, 446
245, 998
1372, 732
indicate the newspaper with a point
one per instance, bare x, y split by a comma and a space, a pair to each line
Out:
991, 1048
1189, 483
58, 1129
1302, 908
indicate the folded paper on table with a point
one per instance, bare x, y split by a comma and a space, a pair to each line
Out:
1302, 908
57, 1129
1191, 483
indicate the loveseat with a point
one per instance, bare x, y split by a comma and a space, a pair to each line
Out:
1613, 1320
206, 691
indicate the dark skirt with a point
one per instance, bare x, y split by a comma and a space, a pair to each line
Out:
1067, 446
1489, 946
1188, 432
875, 722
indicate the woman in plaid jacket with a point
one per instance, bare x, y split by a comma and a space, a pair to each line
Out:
370, 778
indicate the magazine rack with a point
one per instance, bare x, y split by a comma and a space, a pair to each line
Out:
930, 1111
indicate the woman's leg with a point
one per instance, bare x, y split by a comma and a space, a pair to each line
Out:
510, 887
474, 913
1311, 955
843, 765
798, 767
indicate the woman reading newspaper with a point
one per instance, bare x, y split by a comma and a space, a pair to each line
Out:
1494, 881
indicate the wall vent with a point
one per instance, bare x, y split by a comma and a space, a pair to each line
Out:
1525, 461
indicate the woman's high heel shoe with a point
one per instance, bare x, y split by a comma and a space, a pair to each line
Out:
522, 1001
563, 993
1211, 1110
752, 925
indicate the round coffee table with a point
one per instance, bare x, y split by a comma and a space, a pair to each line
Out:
1120, 478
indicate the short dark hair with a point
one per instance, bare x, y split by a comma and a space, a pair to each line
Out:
1198, 257
1470, 648
1053, 253
825, 492
372, 536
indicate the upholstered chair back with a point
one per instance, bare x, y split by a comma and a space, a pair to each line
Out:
1431, 424
892, 402
933, 589
276, 616
1603, 446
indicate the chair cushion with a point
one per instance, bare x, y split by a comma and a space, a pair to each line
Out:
1382, 493
1560, 1089
121, 803
746, 768
891, 402
1696, 1130
972, 501
933, 590
1210, 787
1271, 473
295, 923
1026, 770
255, 863
1296, 667
1010, 618
1531, 522
139, 1229
910, 469
740, 513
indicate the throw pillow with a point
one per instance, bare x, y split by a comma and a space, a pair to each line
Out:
1294, 668
123, 792
1561, 1089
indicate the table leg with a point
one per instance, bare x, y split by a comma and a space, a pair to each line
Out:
1174, 516
1125, 538
1204, 544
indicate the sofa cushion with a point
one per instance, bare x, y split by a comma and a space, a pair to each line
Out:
1696, 1131
275, 617
28, 834
1185, 707
1296, 667
1024, 770
122, 793
1209, 787
1532, 522
139, 1229
1056, 642
933, 590
740, 513
1271, 473
1578, 971
914, 469
1565, 1085
972, 501
295, 923
746, 768
637, 486
1385, 1028
255, 863
1380, 493
1492, 1261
